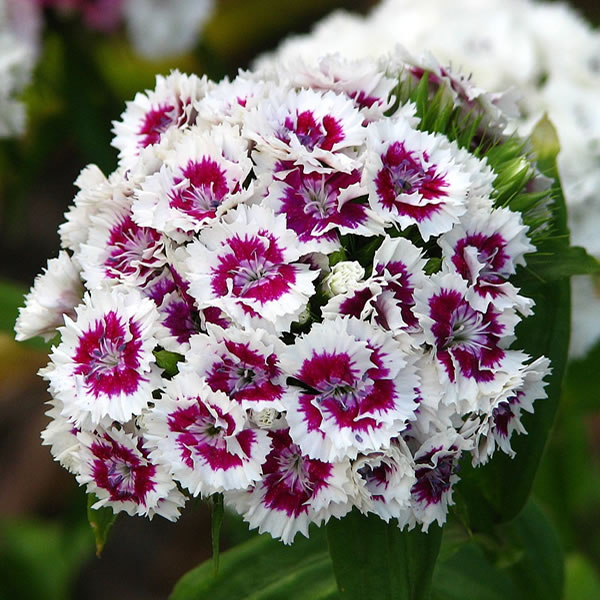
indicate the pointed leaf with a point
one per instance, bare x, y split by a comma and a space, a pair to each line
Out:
540, 572
369, 554
101, 520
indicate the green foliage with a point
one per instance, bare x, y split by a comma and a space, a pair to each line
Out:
101, 521
369, 554
264, 569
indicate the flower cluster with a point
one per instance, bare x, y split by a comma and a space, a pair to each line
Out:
545, 51
296, 292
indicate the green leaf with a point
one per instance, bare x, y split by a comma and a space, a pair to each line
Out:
101, 521
168, 361
468, 575
369, 554
216, 520
554, 261
264, 569
540, 572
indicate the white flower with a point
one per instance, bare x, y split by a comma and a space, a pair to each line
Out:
54, 294
201, 178
247, 267
148, 117
295, 490
345, 276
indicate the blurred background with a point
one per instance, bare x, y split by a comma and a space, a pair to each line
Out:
85, 59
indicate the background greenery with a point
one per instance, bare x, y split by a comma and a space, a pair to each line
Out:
46, 546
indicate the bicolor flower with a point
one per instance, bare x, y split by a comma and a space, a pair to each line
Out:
54, 294
414, 178
295, 490
320, 207
247, 266
150, 115
355, 389
102, 368
201, 178
485, 249
203, 437
242, 364
116, 468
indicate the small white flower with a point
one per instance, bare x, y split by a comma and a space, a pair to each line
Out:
345, 276
54, 294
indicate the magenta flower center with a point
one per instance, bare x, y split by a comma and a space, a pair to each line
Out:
205, 191
433, 483
155, 123
121, 472
132, 249
404, 173
108, 356
312, 134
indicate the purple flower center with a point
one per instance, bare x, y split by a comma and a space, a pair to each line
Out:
310, 203
132, 249
482, 259
108, 356
404, 173
344, 394
245, 374
205, 192
121, 472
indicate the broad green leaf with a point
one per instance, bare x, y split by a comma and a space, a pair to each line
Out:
557, 262
582, 581
369, 554
101, 521
264, 569
521, 560
540, 571
469, 575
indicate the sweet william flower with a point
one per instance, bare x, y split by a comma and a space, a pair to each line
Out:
102, 368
